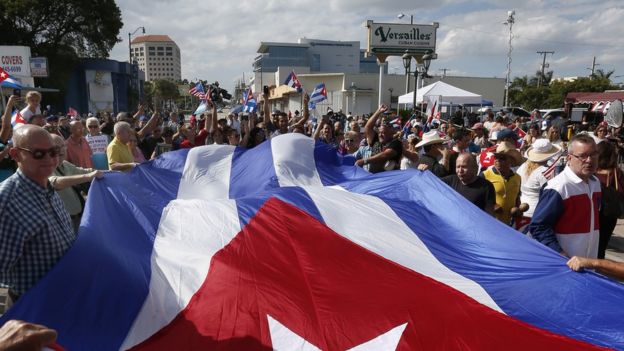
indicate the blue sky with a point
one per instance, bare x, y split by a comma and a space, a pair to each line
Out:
219, 40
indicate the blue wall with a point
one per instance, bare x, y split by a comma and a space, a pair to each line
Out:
77, 91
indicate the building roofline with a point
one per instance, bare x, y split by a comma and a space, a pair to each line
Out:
152, 38
264, 46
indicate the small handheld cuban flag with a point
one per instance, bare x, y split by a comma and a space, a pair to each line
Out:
293, 82
249, 104
17, 119
319, 94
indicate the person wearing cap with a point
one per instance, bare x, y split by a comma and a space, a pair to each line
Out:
566, 216
480, 138
435, 156
386, 150
533, 176
474, 188
486, 158
506, 182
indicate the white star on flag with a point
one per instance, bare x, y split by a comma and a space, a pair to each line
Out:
284, 339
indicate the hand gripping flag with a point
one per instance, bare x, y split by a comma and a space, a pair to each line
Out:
249, 102
293, 82
289, 246
319, 94
198, 90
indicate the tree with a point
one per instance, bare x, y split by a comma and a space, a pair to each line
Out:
600, 73
161, 91
61, 30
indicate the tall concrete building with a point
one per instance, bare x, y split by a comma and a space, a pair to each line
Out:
158, 56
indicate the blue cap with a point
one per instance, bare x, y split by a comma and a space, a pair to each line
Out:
507, 133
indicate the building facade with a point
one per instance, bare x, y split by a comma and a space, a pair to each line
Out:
158, 56
312, 56
104, 85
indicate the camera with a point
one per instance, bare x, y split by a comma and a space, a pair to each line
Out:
218, 94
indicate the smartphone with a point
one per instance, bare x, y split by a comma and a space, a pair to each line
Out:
265, 89
17, 92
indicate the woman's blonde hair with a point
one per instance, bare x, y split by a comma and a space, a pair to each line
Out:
530, 167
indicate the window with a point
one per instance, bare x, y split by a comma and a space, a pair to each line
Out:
160, 48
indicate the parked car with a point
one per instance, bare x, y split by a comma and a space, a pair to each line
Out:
553, 113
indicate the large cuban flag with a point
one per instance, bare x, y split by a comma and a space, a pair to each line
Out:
287, 246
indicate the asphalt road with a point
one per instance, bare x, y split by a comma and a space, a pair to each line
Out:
615, 251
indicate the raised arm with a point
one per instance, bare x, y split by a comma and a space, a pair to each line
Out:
306, 113
149, 126
369, 128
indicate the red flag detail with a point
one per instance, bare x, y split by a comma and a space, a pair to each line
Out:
334, 294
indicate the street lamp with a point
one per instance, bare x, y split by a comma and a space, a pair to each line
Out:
421, 72
130, 34
407, 62
390, 90
509, 22
401, 15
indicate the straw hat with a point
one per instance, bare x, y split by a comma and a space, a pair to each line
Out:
542, 150
431, 137
508, 149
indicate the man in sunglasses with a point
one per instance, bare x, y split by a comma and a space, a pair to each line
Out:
566, 216
35, 228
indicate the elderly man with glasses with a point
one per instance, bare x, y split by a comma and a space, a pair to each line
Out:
35, 227
566, 216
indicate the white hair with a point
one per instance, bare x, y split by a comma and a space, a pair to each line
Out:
120, 127
93, 120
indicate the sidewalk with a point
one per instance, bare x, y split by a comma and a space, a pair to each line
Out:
615, 251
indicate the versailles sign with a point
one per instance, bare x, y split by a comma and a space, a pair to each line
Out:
396, 39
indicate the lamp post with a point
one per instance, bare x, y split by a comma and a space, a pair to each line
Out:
421, 71
390, 90
401, 15
407, 63
130, 34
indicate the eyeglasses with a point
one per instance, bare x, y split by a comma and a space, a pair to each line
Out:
349, 141
584, 158
38, 154
92, 127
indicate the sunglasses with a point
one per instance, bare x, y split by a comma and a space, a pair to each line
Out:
38, 154
349, 141
93, 126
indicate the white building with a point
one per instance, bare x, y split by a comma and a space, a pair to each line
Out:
158, 56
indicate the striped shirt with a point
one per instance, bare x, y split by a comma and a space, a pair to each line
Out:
566, 216
35, 232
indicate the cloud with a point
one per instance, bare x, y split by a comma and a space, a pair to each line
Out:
218, 41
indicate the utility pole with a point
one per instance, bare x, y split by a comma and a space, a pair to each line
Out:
543, 53
444, 70
593, 67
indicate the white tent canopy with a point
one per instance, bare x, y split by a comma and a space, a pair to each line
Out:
448, 95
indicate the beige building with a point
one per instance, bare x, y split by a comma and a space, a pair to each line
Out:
158, 56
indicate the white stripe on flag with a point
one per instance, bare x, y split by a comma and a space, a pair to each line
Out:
189, 234
377, 228
207, 173
293, 159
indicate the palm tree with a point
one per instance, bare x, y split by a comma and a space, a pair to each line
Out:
600, 73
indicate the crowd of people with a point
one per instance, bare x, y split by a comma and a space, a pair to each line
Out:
548, 178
